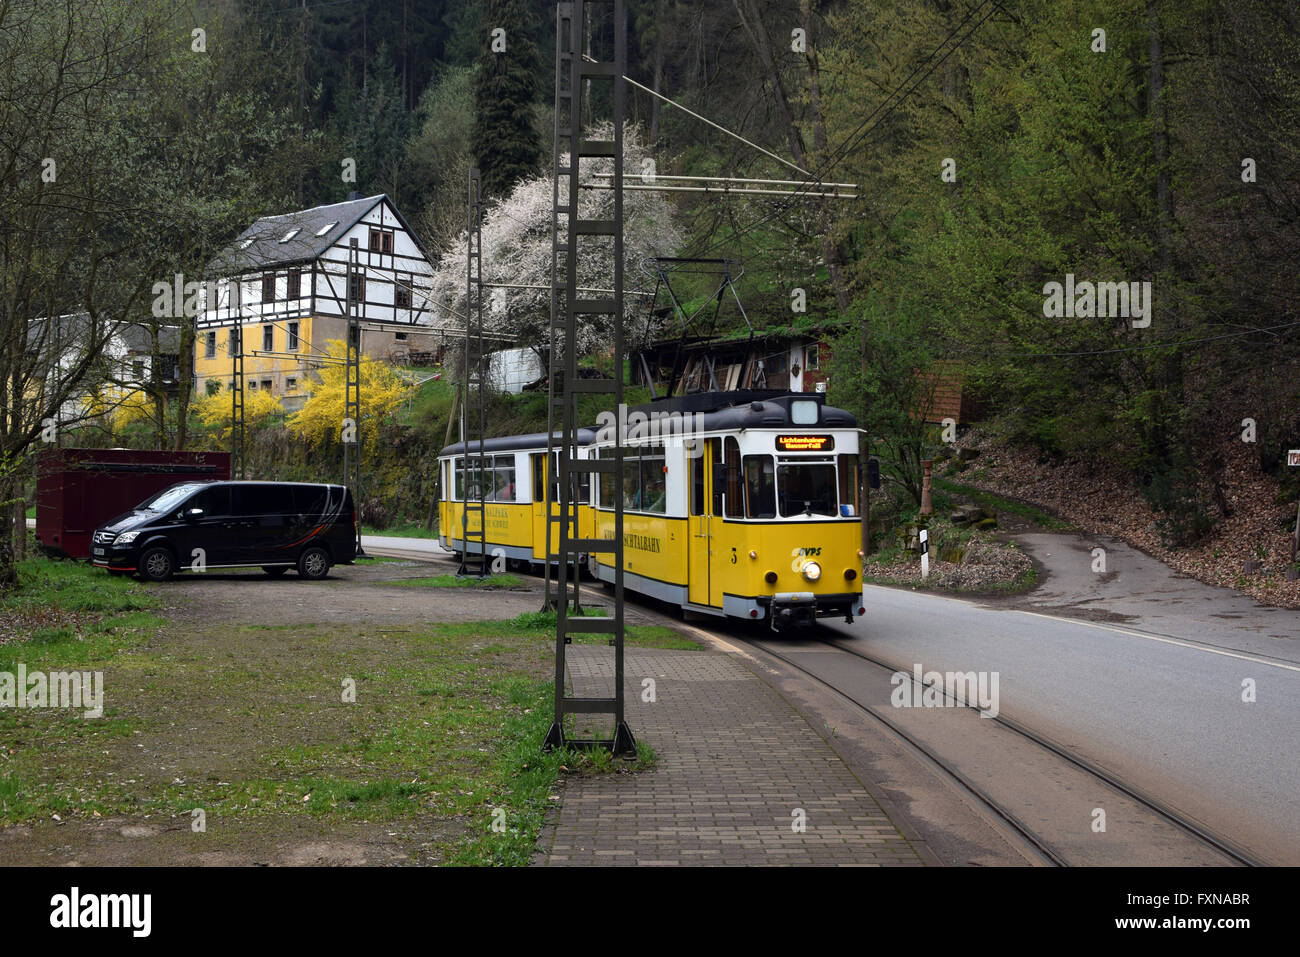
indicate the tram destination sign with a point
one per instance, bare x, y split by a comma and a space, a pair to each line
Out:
805, 443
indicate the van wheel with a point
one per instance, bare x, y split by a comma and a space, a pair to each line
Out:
314, 564
275, 571
157, 564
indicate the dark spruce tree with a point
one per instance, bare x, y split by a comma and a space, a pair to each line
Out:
505, 141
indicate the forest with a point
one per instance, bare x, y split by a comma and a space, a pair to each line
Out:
1089, 207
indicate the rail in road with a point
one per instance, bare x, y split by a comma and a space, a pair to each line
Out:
1043, 797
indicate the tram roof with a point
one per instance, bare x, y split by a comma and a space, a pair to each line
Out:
513, 443
718, 411
750, 409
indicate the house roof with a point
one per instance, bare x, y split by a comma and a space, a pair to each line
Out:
139, 338
262, 244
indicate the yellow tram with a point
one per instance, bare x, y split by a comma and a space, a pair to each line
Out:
737, 505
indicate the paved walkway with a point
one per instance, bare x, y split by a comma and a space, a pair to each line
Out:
738, 768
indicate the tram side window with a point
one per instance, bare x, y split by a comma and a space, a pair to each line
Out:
849, 485
806, 488
503, 479
459, 466
696, 465
760, 486
607, 482
652, 495
732, 480
539, 477
469, 479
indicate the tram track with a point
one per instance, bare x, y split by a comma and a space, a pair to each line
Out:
1049, 850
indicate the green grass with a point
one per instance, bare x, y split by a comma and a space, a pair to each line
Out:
508, 836
635, 636
442, 741
996, 503
402, 530
463, 581
68, 613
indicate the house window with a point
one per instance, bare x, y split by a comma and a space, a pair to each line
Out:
291, 343
210, 346
381, 240
295, 284
357, 287
268, 338
268, 287
354, 333
252, 385
290, 234
401, 336
812, 358
214, 386
267, 384
234, 340
290, 385
402, 293
137, 370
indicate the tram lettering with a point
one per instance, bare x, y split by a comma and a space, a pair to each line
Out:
644, 543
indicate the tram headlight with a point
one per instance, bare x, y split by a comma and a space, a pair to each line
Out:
812, 571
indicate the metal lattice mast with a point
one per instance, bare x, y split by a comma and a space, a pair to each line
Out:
585, 72
473, 413
559, 246
352, 380
237, 384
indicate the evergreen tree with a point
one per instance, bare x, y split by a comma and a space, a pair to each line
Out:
505, 140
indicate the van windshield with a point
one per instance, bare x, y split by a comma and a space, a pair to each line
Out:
169, 498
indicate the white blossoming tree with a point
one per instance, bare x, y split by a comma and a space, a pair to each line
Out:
517, 249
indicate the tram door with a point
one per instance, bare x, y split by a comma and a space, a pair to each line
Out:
541, 475
699, 574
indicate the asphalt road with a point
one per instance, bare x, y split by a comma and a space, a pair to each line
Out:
1162, 711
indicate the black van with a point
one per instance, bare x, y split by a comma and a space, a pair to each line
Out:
206, 525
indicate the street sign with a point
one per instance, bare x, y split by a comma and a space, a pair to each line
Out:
1293, 457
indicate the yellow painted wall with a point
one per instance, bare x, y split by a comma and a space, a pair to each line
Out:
257, 367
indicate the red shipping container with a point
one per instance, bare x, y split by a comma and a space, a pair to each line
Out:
77, 490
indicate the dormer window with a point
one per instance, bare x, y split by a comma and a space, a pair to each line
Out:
290, 234
325, 229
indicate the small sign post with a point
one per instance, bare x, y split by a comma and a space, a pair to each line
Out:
1293, 460
925, 553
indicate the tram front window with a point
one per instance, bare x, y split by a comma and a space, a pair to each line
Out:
807, 488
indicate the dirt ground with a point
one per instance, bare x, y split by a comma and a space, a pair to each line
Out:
237, 699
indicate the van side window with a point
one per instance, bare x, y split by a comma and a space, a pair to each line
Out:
213, 501
245, 500
309, 500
